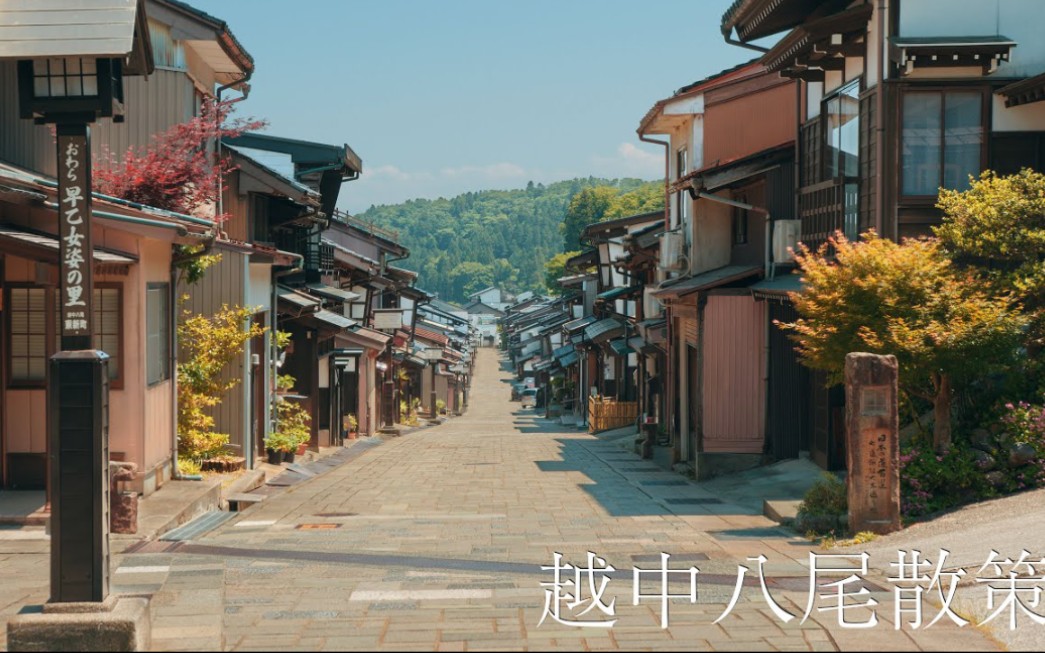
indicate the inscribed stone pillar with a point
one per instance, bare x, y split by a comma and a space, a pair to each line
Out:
872, 443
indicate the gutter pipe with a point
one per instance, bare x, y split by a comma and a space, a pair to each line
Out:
145, 222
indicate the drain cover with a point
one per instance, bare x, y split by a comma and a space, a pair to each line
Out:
317, 527
335, 514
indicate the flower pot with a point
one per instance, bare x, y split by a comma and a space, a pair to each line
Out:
288, 456
302, 448
275, 456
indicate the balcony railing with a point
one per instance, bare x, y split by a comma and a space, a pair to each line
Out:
828, 207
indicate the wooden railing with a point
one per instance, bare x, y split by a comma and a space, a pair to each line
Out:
823, 209
608, 414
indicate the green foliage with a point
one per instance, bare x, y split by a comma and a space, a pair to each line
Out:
828, 496
996, 229
907, 300
189, 467
932, 481
292, 422
209, 344
487, 238
440, 406
607, 202
555, 269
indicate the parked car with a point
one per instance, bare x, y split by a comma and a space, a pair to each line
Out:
529, 397
517, 389
530, 382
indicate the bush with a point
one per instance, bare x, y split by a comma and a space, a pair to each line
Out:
931, 482
824, 505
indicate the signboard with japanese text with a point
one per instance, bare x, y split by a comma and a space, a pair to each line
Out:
74, 215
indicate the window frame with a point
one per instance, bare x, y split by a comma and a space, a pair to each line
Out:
825, 126
681, 169
739, 222
167, 372
942, 89
51, 335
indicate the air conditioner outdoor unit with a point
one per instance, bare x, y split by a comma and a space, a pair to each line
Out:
671, 245
651, 308
785, 235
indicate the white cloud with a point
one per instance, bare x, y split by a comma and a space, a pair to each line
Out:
631, 160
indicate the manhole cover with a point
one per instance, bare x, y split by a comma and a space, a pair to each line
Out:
335, 514
317, 527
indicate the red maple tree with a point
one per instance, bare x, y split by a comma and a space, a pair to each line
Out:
177, 171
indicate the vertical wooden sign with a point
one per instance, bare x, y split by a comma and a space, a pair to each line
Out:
75, 251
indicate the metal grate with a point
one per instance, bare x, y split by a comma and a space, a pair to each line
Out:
198, 527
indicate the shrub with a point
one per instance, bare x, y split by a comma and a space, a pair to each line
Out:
930, 482
824, 506
440, 406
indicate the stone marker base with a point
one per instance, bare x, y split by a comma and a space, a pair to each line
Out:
390, 431
116, 624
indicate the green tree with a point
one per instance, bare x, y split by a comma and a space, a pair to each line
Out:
554, 269
586, 207
996, 229
908, 300
644, 199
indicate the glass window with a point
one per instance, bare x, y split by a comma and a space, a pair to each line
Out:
842, 132
158, 333
681, 198
27, 338
942, 140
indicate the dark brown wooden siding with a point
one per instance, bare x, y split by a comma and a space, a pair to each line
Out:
780, 192
788, 426
811, 154
1011, 151
868, 161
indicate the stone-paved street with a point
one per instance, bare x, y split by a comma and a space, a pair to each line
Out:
433, 541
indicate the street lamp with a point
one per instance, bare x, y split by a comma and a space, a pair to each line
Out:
388, 320
433, 355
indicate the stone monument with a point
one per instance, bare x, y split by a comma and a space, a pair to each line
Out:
872, 443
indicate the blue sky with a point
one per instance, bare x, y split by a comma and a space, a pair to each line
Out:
442, 97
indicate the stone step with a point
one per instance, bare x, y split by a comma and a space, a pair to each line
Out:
238, 502
780, 510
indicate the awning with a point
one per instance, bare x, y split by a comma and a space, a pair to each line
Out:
706, 281
618, 293
332, 293
333, 319
543, 364
410, 359
778, 288
562, 351
1024, 91
620, 347
604, 330
950, 51
43, 247
361, 336
579, 324
298, 300
642, 345
569, 359
722, 175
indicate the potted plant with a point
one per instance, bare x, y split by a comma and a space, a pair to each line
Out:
350, 424
276, 446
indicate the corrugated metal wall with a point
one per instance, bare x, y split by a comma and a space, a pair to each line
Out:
749, 123
224, 283
734, 393
167, 98
788, 429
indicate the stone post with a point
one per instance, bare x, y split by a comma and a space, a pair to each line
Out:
872, 443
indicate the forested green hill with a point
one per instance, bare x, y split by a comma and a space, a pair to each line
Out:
487, 238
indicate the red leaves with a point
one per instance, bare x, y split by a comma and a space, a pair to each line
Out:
177, 171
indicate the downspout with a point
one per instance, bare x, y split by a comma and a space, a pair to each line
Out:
879, 143
732, 41
671, 365
245, 91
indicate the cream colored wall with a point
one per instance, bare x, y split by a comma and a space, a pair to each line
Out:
711, 236
1027, 117
156, 423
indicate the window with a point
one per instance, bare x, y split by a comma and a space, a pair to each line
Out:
842, 132
27, 335
942, 140
260, 219
158, 333
35, 313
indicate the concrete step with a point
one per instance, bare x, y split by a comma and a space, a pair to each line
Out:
240, 502
780, 510
174, 504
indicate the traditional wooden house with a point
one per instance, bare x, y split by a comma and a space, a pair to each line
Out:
733, 191
195, 56
895, 101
